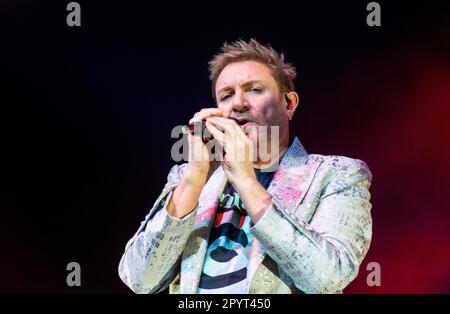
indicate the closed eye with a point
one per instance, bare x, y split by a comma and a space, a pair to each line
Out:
224, 97
256, 89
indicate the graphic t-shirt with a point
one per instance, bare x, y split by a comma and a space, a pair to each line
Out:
227, 257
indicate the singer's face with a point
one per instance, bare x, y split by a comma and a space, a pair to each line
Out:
247, 90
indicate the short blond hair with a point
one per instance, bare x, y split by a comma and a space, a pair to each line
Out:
240, 50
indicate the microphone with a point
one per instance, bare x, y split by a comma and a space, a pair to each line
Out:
200, 126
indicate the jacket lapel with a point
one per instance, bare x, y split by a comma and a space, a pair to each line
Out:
289, 185
197, 244
293, 177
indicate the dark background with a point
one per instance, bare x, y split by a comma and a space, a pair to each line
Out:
86, 115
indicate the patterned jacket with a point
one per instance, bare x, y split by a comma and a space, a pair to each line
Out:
312, 238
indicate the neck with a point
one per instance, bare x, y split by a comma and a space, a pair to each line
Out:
274, 157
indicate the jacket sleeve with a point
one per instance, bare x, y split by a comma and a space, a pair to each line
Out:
324, 255
152, 256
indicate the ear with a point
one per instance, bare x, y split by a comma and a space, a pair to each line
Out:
292, 101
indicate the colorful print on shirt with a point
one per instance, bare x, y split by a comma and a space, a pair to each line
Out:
227, 257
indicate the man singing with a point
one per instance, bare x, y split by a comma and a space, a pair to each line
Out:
290, 222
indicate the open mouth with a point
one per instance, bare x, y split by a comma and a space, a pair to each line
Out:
242, 121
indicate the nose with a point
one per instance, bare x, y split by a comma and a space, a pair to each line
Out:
240, 103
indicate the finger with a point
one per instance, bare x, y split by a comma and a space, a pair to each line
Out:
215, 111
193, 138
205, 113
227, 125
216, 133
197, 117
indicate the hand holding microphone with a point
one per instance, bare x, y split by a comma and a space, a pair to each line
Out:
200, 167
200, 158
197, 125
